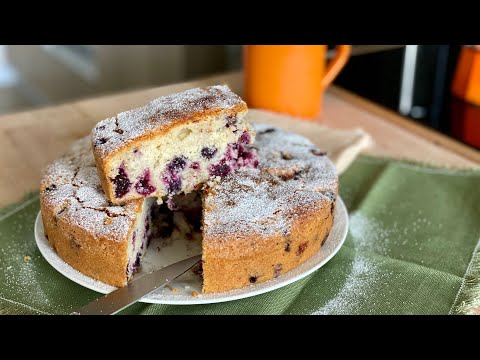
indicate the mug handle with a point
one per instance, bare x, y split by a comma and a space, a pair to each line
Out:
336, 64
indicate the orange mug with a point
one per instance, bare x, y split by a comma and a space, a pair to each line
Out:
466, 79
290, 78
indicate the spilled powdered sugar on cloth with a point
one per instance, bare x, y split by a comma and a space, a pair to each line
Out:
355, 289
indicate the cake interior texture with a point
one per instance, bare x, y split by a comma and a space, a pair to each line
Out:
140, 237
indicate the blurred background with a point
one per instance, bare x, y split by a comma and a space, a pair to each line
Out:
413, 80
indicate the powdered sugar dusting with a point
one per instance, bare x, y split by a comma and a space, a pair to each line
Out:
368, 234
112, 133
72, 188
267, 200
355, 289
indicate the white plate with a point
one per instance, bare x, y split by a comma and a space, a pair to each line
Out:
180, 290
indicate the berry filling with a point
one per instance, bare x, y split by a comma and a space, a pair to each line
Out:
237, 156
171, 177
182, 174
140, 238
301, 248
177, 164
121, 182
231, 120
101, 141
143, 186
208, 153
245, 138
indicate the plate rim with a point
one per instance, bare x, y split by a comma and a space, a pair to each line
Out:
81, 279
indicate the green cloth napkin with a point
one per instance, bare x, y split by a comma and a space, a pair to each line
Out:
411, 249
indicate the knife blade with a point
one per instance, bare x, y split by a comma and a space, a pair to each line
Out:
123, 297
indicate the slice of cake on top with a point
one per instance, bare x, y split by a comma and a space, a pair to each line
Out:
173, 145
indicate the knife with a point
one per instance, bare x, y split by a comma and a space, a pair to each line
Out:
123, 297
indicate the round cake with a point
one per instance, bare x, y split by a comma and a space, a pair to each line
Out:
257, 223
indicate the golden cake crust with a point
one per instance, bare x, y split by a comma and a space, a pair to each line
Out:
130, 129
276, 254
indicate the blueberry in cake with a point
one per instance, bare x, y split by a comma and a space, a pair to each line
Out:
173, 145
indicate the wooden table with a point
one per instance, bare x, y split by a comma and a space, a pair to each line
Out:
30, 140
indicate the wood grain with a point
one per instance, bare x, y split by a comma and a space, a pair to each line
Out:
30, 140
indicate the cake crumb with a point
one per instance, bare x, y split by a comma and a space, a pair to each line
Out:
172, 289
194, 294
27, 258
108, 220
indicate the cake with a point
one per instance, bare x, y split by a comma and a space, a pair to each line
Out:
256, 223
173, 145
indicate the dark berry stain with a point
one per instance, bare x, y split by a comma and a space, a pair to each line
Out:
318, 152
119, 131
236, 156
208, 153
137, 261
102, 127
177, 164
222, 169
253, 279
122, 183
231, 120
245, 138
51, 187
174, 185
302, 248
101, 141
195, 165
287, 247
277, 270
143, 185
171, 179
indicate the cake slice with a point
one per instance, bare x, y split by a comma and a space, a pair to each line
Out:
173, 145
